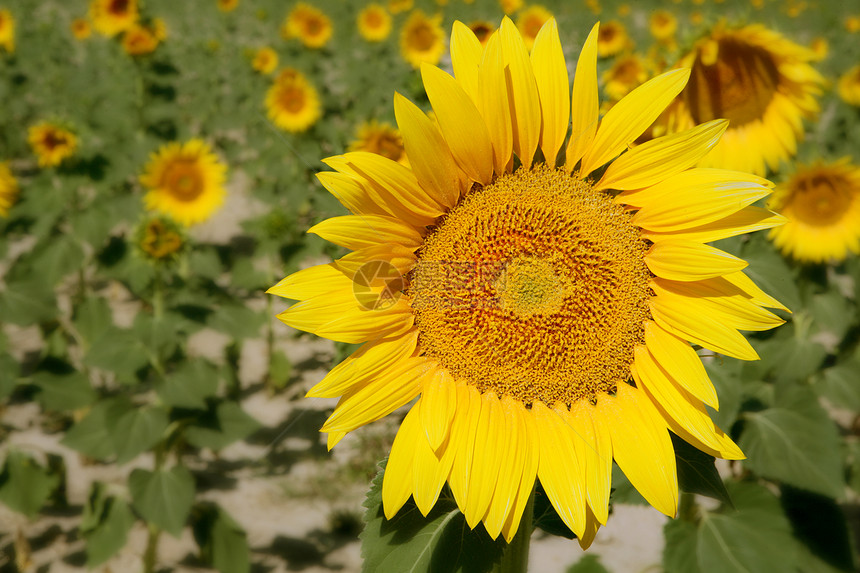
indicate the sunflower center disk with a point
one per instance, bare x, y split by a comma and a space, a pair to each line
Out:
184, 181
534, 286
821, 202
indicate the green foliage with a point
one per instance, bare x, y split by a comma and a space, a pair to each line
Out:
24, 484
588, 564
63, 392
220, 426
105, 524
163, 497
222, 541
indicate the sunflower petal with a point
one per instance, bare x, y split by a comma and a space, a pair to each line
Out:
430, 470
397, 480
360, 325
510, 470
490, 444
550, 73
463, 439
438, 405
525, 111
466, 54
597, 447
311, 281
584, 103
359, 231
350, 193
681, 362
496, 107
688, 261
755, 294
531, 458
746, 220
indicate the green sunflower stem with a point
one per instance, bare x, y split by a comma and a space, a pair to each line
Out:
515, 558
150, 557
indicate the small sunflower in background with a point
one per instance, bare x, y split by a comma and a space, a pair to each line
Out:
185, 181
8, 189
663, 26
159, 238
510, 6
81, 28
758, 80
374, 23
482, 30
309, 24
7, 31
627, 72
292, 102
820, 47
398, 6
422, 39
381, 138
612, 39
140, 39
822, 205
110, 17
265, 60
530, 21
227, 5
51, 143
848, 86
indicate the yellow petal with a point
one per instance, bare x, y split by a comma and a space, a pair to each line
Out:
584, 102
350, 193
496, 107
466, 54
531, 458
332, 438
430, 470
360, 231
746, 220
312, 281
382, 265
461, 123
660, 158
490, 443
681, 362
463, 439
512, 435
631, 116
523, 95
591, 527
641, 446
550, 72
688, 261
429, 156
438, 406
597, 448
397, 480
755, 294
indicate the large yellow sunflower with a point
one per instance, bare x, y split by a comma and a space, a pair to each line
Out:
8, 189
422, 39
110, 17
185, 181
758, 80
542, 315
292, 102
309, 24
822, 205
7, 31
51, 143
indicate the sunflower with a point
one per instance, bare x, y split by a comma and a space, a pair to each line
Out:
51, 143
663, 25
613, 39
110, 17
530, 21
81, 28
758, 80
140, 39
227, 5
381, 138
510, 6
374, 23
541, 315
627, 72
822, 205
7, 31
398, 6
159, 238
482, 30
849, 86
185, 181
8, 189
265, 60
422, 39
309, 24
292, 102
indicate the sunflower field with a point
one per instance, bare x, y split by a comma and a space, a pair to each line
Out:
565, 286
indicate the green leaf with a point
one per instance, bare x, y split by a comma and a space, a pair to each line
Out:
93, 436
697, 472
792, 354
118, 351
841, 384
189, 386
237, 321
61, 256
832, 314
25, 485
280, 369
755, 538
110, 534
27, 301
820, 524
245, 276
853, 461
10, 370
163, 497
205, 263
795, 442
92, 318
680, 549
137, 431
410, 542
623, 491
63, 392
221, 427
222, 541
725, 373
588, 564
770, 271
160, 336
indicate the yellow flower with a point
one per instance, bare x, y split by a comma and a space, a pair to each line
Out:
852, 23
530, 21
820, 47
265, 60
227, 5
541, 316
7, 31
758, 80
822, 205
482, 30
374, 23
81, 28
140, 39
185, 181
159, 238
422, 39
510, 6
308, 24
51, 143
381, 138
613, 38
398, 6
110, 17
8, 189
292, 102
663, 25
626, 73
849, 86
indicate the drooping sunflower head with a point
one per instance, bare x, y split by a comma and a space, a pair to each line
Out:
184, 181
822, 205
110, 17
536, 280
422, 39
374, 23
143, 39
848, 86
227, 5
7, 31
51, 143
8, 189
530, 21
81, 29
381, 138
758, 80
292, 102
159, 239
265, 60
613, 38
309, 24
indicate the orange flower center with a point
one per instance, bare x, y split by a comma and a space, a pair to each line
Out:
421, 37
292, 98
821, 200
118, 7
184, 180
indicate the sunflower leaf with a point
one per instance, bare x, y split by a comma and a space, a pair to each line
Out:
24, 484
163, 497
222, 541
697, 472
